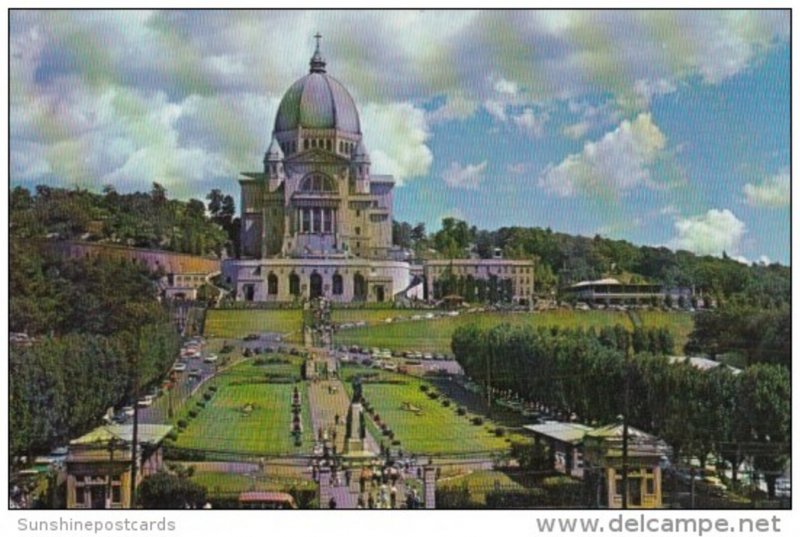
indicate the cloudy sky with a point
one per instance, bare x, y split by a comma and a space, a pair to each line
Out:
664, 128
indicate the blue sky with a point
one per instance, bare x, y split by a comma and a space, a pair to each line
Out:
664, 128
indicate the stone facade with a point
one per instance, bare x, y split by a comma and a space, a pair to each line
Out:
520, 273
339, 280
317, 222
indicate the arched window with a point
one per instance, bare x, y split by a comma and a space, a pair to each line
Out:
294, 284
317, 182
272, 284
338, 284
305, 143
316, 285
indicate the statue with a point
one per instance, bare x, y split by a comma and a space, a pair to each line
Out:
357, 390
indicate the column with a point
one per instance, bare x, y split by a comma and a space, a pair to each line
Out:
429, 480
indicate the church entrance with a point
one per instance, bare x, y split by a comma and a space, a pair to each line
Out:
379, 293
316, 286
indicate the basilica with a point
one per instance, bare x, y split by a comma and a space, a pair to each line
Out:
316, 222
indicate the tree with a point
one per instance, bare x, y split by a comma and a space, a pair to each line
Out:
215, 198
764, 400
158, 194
401, 234
164, 490
418, 232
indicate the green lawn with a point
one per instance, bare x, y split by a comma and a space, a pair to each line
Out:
434, 335
374, 316
437, 429
222, 426
239, 323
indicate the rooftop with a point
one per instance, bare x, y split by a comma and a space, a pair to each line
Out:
148, 433
570, 433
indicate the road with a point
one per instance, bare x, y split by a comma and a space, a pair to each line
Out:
158, 412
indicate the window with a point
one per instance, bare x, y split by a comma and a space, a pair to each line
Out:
317, 220
328, 145
651, 486
306, 221
80, 495
358, 214
272, 284
305, 143
294, 284
358, 230
328, 221
341, 147
338, 284
116, 494
317, 182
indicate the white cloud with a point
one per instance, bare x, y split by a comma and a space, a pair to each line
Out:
619, 161
711, 233
531, 123
576, 131
775, 191
764, 260
395, 136
590, 117
497, 109
467, 177
505, 86
645, 89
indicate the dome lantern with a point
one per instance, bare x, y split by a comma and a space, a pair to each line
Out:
317, 61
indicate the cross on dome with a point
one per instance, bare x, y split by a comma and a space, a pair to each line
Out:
317, 61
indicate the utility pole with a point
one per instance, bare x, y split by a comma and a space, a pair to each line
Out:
626, 411
135, 436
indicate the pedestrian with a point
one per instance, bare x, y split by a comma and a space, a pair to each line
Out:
360, 504
393, 497
347, 476
376, 477
332, 503
371, 501
336, 419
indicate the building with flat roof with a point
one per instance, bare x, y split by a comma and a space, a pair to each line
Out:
98, 464
565, 443
611, 291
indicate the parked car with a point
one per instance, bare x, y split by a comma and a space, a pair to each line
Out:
128, 411
195, 373
179, 367
251, 337
145, 401
211, 358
